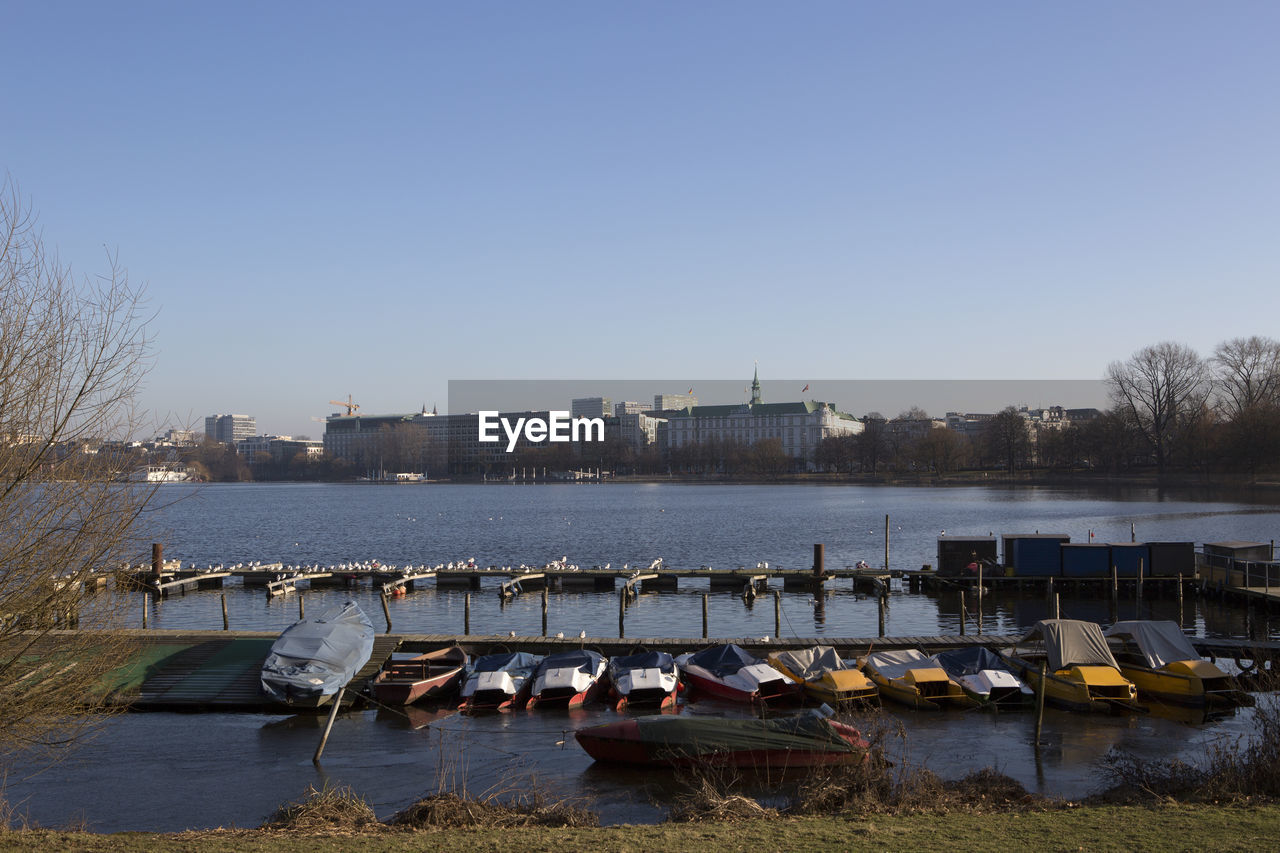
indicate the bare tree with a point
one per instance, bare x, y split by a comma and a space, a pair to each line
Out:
72, 355
1158, 389
1248, 374
1008, 438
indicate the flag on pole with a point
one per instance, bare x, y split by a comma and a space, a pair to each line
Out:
805, 388
690, 390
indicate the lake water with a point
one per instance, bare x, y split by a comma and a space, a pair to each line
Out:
172, 771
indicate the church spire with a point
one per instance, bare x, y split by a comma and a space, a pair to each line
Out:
755, 386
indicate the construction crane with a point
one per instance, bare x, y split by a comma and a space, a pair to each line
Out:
352, 408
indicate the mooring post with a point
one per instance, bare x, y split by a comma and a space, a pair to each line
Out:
157, 561
544, 612
386, 611
1057, 607
1048, 597
1133, 537
704, 616
146, 605
1179, 601
226, 623
1138, 593
1044, 688
884, 607
466, 615
302, 608
963, 616
818, 561
979, 598
777, 613
1115, 585
622, 614
886, 541
333, 715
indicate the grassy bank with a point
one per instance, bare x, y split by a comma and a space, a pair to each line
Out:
1099, 828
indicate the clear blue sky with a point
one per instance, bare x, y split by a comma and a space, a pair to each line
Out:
373, 199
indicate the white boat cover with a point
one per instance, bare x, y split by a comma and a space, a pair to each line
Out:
1161, 642
811, 663
318, 655
896, 664
1072, 642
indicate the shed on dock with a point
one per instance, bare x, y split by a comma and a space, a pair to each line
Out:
1086, 560
956, 552
1035, 554
1169, 559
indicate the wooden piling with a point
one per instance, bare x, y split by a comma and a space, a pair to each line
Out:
302, 608
1048, 597
333, 715
886, 540
963, 615
157, 560
1044, 688
777, 612
1179, 601
1138, 589
884, 606
622, 614
544, 612
466, 616
226, 623
1057, 607
386, 611
704, 616
819, 560
979, 598
146, 605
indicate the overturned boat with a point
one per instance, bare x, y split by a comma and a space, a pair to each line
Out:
825, 677
316, 657
913, 679
1159, 659
664, 740
728, 672
1080, 672
986, 678
499, 682
569, 679
408, 677
647, 678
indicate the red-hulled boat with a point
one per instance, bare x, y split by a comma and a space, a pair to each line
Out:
729, 672
674, 741
406, 678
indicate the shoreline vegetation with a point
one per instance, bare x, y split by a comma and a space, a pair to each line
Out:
1228, 799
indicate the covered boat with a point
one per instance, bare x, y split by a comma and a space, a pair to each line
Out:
499, 682
986, 678
728, 672
664, 740
647, 678
409, 676
315, 657
570, 679
1159, 659
824, 676
914, 679
1081, 675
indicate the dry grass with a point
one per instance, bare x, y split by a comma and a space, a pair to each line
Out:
451, 811
1240, 770
327, 810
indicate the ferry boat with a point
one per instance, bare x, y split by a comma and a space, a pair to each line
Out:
160, 474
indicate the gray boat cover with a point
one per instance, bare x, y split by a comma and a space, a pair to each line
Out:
723, 660
1071, 642
896, 664
318, 655
644, 660
1161, 642
686, 735
811, 663
584, 660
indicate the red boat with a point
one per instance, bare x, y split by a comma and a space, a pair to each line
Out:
676, 741
730, 673
406, 678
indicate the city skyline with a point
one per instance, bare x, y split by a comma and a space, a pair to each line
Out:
382, 202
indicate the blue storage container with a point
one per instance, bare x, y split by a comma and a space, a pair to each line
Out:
1037, 556
1129, 558
1086, 560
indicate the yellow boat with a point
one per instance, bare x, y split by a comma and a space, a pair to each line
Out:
1158, 658
914, 680
1081, 673
826, 678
